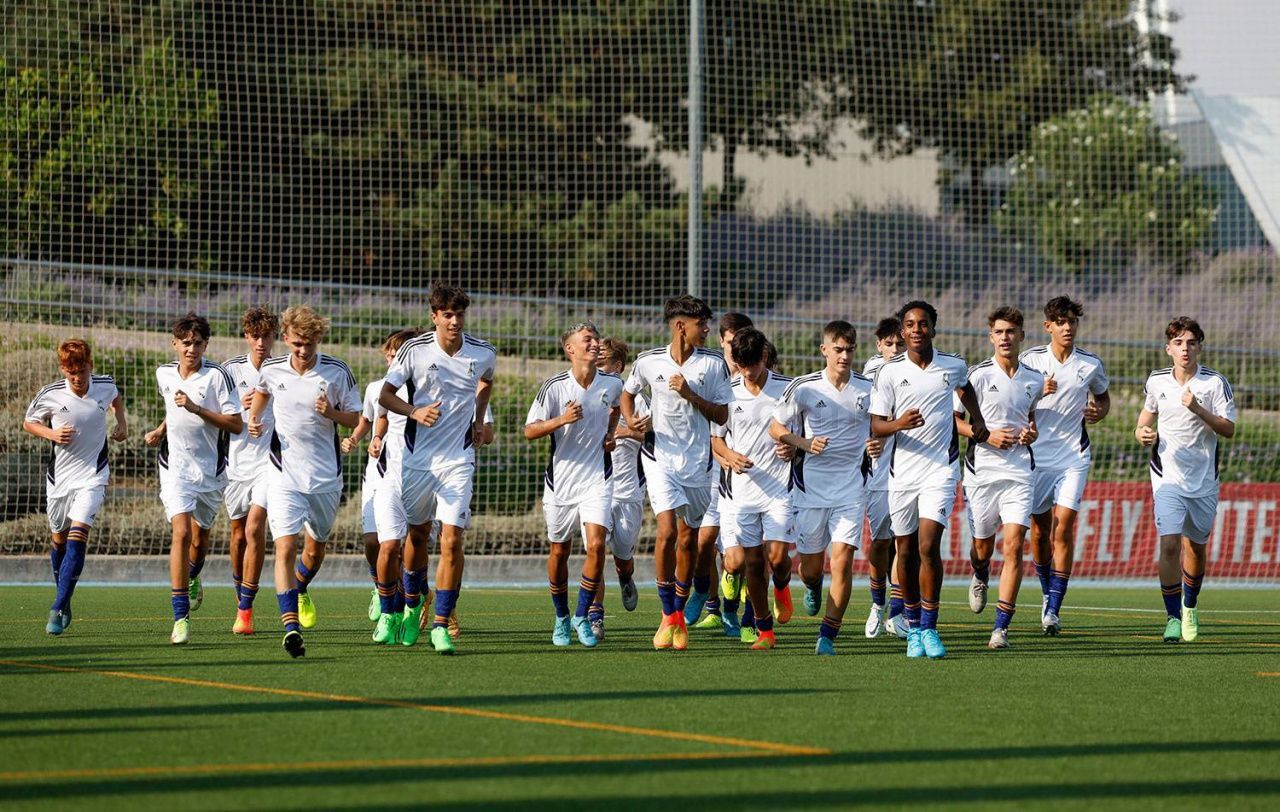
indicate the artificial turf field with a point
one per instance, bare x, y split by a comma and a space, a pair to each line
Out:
1105, 715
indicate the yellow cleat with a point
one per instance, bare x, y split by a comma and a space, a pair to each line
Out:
306, 611
244, 622
764, 642
663, 638
455, 629
679, 633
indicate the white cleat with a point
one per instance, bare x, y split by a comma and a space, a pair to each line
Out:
977, 595
1050, 625
875, 621
999, 639
897, 626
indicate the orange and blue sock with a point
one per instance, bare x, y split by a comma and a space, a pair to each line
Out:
288, 602
387, 597
195, 567
764, 623
237, 580
586, 594
412, 586
1190, 588
1004, 614
682, 595
667, 596
830, 627
713, 605
1172, 594
928, 613
560, 597
1057, 590
248, 591
912, 610
181, 600
446, 602
878, 591
595, 612
895, 599
304, 574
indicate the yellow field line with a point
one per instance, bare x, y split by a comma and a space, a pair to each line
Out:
369, 764
1269, 673
551, 721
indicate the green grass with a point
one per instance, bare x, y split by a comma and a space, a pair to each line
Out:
1103, 716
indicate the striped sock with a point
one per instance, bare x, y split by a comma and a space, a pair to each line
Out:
1057, 590
667, 596
764, 623
586, 594
387, 597
713, 606
72, 566
830, 627
181, 599
1004, 614
1172, 594
288, 602
895, 599
238, 582
1043, 572
928, 614
412, 586
1190, 589
682, 595
400, 601
877, 591
595, 612
195, 567
304, 574
560, 597
373, 574
912, 611
248, 591
446, 602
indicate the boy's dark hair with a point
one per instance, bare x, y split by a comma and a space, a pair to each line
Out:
259, 321
770, 355
397, 339
1005, 313
748, 347
732, 322
449, 297
888, 326
840, 329
1062, 307
685, 306
191, 324
615, 349
918, 304
1184, 324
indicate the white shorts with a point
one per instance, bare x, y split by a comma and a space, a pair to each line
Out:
690, 502
818, 527
564, 521
908, 506
752, 528
178, 498
1051, 487
368, 490
712, 517
878, 515
241, 493
293, 512
416, 497
80, 506
1180, 515
996, 504
624, 531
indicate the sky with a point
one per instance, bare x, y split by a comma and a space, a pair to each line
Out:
1230, 45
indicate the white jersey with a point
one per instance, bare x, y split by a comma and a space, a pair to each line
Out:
81, 463
628, 475
248, 456
816, 408
1064, 439
305, 453
1006, 403
193, 451
578, 468
429, 374
371, 412
879, 479
682, 436
768, 481
1185, 456
927, 456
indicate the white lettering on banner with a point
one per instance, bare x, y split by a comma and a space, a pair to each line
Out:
1261, 532
1132, 514
1083, 528
1104, 551
1216, 542
1242, 523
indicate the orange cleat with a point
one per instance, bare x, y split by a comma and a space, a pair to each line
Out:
764, 642
679, 633
455, 628
244, 622
782, 607
666, 632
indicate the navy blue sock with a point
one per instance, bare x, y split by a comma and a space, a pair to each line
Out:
248, 591
781, 582
412, 586
667, 596
1190, 589
730, 607
830, 627
560, 597
702, 583
895, 599
387, 597
877, 591
195, 568
56, 552
764, 623
1044, 572
1004, 614
912, 611
748, 615
399, 604
682, 595
446, 602
69, 574
1172, 594
373, 574
595, 612
288, 602
181, 600
304, 574
586, 594
928, 614
1057, 590
713, 606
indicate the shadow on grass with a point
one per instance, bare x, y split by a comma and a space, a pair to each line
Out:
690, 769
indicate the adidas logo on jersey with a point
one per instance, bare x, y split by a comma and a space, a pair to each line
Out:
1162, 395
822, 404
738, 410
280, 386
993, 388
661, 378
64, 409
903, 382
433, 368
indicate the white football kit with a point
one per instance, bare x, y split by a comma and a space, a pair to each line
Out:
681, 447
755, 505
627, 512
1184, 459
76, 474
878, 483
1064, 452
248, 457
924, 463
997, 482
193, 454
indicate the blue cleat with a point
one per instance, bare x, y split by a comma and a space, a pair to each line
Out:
66, 618
560, 632
826, 647
55, 624
915, 646
583, 627
932, 644
812, 600
693, 606
732, 626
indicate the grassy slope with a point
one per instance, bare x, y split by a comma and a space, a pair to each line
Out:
1104, 715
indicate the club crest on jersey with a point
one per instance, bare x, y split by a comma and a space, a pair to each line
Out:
1080, 373
471, 368
1031, 388
604, 399
946, 379
860, 403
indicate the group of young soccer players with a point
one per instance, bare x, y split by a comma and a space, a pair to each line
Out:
739, 463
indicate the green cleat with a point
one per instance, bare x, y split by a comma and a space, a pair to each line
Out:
411, 626
385, 632
1172, 630
195, 593
1190, 623
441, 641
375, 604
66, 617
730, 586
749, 635
306, 611
711, 621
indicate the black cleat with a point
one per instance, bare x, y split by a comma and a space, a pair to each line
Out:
293, 645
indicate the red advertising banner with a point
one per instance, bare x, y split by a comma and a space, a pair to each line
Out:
1116, 534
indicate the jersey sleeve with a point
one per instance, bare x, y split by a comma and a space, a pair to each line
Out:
957, 405
787, 410
1149, 398
39, 410
615, 395
882, 401
401, 369
1098, 382
349, 394
721, 390
491, 367
488, 415
371, 406
720, 430
1224, 401
263, 385
542, 406
638, 379
228, 403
